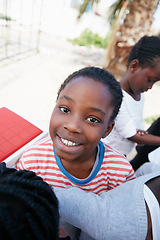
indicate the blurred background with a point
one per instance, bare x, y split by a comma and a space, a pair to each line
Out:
43, 41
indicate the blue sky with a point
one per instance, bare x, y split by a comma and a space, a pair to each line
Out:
156, 22
157, 13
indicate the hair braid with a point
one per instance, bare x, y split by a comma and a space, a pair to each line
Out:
29, 204
146, 50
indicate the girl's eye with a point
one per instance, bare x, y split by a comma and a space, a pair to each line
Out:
93, 120
64, 109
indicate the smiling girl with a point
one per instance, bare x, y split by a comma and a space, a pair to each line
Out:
87, 104
73, 155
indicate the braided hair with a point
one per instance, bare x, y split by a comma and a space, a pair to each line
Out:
28, 206
103, 76
146, 50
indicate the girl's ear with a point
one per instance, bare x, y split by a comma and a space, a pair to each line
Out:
109, 129
134, 65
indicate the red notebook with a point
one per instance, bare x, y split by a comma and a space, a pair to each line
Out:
15, 134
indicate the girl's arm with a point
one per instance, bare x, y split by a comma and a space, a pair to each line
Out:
115, 214
147, 139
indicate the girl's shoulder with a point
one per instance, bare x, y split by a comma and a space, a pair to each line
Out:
109, 151
40, 145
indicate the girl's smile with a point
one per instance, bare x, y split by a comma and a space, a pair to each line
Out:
67, 146
68, 143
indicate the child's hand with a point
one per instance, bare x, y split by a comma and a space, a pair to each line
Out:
141, 132
62, 233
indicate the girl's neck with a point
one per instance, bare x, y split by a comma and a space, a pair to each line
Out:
79, 169
124, 83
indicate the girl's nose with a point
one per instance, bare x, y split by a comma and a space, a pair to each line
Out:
73, 125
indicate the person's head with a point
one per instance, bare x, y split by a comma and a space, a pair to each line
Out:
28, 206
144, 64
87, 104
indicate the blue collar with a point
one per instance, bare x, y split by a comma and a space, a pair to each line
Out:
81, 181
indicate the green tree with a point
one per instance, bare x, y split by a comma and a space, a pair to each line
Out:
130, 20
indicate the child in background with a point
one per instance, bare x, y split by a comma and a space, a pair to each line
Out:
143, 70
87, 104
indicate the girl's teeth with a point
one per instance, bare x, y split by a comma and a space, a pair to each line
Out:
65, 142
68, 143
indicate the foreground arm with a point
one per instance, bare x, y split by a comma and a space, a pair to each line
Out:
117, 214
83, 210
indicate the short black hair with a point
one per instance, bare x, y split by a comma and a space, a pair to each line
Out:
146, 50
28, 206
103, 76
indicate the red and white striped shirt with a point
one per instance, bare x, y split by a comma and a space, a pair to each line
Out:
111, 170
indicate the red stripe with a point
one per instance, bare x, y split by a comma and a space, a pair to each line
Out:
46, 179
131, 177
115, 169
32, 161
38, 154
113, 155
95, 189
112, 175
43, 167
53, 174
122, 162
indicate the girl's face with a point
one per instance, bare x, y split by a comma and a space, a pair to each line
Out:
81, 117
142, 79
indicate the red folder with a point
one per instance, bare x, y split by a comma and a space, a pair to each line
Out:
15, 134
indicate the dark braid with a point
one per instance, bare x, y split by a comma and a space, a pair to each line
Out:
146, 50
28, 206
103, 76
